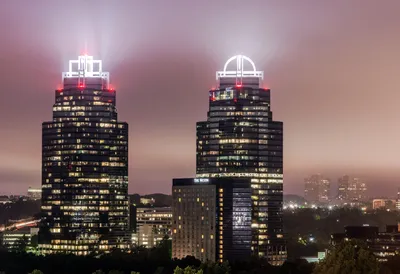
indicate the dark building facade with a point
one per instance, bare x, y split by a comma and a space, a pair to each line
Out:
84, 166
240, 139
212, 218
383, 244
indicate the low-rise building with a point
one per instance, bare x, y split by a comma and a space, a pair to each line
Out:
383, 204
10, 239
5, 200
34, 193
152, 225
147, 201
382, 244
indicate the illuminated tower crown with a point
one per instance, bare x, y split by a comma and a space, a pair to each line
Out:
240, 72
86, 70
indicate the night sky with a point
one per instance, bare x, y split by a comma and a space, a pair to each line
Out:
333, 67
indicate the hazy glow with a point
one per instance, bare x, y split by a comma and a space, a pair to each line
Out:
332, 66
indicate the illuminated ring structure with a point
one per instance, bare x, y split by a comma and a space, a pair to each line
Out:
240, 72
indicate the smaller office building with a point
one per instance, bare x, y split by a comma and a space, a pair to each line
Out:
11, 238
153, 224
212, 218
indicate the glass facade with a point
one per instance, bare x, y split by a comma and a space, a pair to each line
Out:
212, 219
241, 139
84, 171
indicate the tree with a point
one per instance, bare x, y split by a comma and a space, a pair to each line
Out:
36, 271
187, 270
99, 271
348, 258
115, 272
21, 244
34, 241
215, 268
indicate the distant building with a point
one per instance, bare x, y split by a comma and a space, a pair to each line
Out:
152, 225
10, 239
383, 203
352, 189
317, 189
320, 256
5, 200
343, 185
34, 193
382, 244
147, 201
357, 190
398, 200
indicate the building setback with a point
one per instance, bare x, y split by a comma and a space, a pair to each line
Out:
240, 140
84, 166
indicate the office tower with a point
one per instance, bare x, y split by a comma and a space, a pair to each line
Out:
84, 165
398, 199
352, 189
357, 190
240, 140
212, 218
317, 189
153, 224
343, 185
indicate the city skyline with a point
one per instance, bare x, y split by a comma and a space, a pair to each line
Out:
333, 82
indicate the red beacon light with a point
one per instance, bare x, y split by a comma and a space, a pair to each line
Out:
238, 85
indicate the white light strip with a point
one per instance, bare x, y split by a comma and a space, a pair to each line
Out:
239, 72
85, 69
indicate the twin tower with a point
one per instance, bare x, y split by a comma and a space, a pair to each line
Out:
231, 210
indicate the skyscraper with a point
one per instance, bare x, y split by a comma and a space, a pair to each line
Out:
241, 141
343, 185
317, 189
351, 189
357, 190
84, 165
